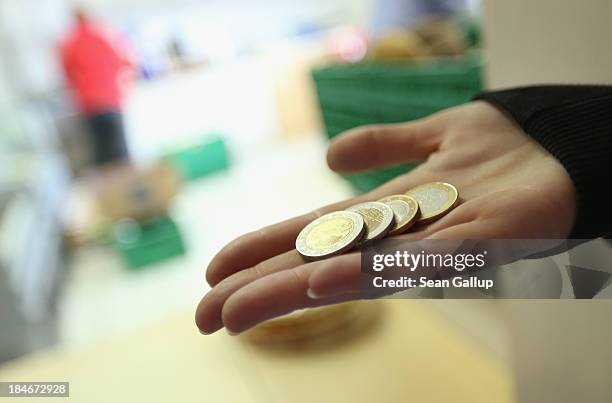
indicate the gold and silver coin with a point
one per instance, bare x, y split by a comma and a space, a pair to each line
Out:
435, 200
405, 210
330, 234
378, 219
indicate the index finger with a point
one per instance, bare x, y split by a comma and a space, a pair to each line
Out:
257, 246
249, 249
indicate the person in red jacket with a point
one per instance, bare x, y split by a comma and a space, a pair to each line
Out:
97, 67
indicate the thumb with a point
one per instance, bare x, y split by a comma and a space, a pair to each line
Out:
376, 146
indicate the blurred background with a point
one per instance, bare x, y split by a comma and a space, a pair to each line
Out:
137, 137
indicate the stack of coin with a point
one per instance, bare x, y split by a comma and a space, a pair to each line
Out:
341, 231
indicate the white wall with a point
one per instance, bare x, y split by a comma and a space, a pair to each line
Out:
29, 32
561, 348
547, 41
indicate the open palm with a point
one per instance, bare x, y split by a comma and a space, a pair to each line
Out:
509, 186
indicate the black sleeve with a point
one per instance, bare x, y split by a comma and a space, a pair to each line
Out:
574, 123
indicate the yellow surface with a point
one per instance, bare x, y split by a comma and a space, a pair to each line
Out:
412, 355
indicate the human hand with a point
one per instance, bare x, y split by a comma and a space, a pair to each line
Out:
509, 187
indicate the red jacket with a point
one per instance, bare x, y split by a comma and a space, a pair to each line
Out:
93, 66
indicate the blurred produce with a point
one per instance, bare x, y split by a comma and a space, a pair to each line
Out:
433, 37
83, 224
398, 45
442, 37
126, 191
208, 157
122, 193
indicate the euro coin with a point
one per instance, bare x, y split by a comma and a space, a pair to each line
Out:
435, 200
378, 219
405, 210
330, 234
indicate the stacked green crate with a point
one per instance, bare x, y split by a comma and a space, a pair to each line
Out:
143, 244
360, 94
203, 159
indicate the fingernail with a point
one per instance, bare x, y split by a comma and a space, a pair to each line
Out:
205, 333
230, 332
312, 294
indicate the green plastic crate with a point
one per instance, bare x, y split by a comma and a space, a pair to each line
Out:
370, 93
206, 158
141, 245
